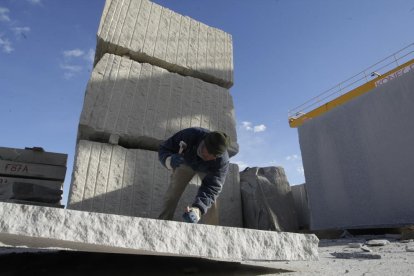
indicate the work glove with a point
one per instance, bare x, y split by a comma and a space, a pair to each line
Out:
192, 215
174, 161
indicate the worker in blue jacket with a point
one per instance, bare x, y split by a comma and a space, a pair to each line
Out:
194, 151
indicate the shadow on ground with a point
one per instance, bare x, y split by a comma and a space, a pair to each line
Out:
64, 263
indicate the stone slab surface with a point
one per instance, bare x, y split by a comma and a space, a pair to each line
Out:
267, 199
358, 160
139, 101
35, 226
149, 33
115, 180
33, 156
39, 171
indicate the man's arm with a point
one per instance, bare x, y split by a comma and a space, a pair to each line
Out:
210, 188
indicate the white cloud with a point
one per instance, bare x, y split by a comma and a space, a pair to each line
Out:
292, 157
35, 2
71, 68
249, 127
73, 53
6, 45
300, 170
4, 14
90, 55
21, 31
259, 128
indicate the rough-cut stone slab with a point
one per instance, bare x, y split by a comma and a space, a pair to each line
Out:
112, 179
153, 34
267, 200
40, 171
33, 156
139, 102
358, 160
35, 226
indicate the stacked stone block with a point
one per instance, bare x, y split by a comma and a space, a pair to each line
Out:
156, 72
139, 101
132, 182
31, 176
153, 34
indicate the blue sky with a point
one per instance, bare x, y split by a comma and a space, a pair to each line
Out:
285, 52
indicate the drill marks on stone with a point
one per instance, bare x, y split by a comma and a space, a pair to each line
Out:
162, 36
92, 174
152, 30
102, 177
173, 38
136, 100
114, 183
128, 180
138, 37
183, 41
150, 33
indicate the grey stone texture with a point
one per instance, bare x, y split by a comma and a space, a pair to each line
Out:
42, 227
358, 160
31, 155
132, 182
300, 199
267, 200
141, 103
149, 33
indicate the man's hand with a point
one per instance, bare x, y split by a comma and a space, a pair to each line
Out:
174, 161
192, 215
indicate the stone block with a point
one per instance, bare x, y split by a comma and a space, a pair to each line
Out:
33, 155
267, 200
149, 33
30, 170
301, 205
358, 160
30, 189
131, 182
41, 227
142, 103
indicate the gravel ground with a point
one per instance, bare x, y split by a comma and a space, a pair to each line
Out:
337, 257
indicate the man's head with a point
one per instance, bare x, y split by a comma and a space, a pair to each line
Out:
214, 145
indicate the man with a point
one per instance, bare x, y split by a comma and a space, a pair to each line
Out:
194, 151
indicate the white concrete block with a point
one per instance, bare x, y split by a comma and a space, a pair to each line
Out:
136, 101
150, 33
112, 179
42, 227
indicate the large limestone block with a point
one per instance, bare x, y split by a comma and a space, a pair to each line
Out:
112, 179
35, 226
33, 155
153, 34
267, 199
358, 160
139, 102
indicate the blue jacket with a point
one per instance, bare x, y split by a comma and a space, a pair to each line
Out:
216, 170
